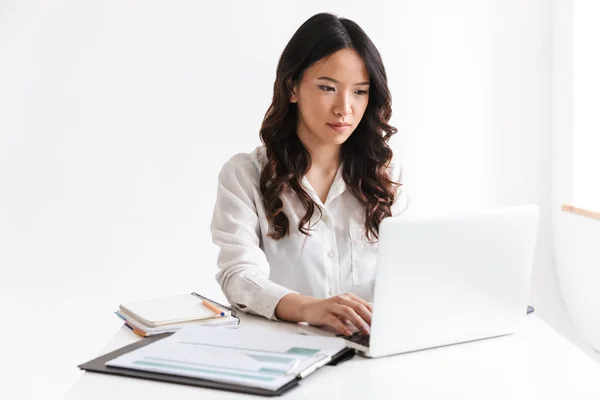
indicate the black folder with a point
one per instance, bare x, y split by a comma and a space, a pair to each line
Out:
98, 365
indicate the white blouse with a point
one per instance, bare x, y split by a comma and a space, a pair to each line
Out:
257, 271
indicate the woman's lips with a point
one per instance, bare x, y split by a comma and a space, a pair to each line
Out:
339, 128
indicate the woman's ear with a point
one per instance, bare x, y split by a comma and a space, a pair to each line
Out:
293, 93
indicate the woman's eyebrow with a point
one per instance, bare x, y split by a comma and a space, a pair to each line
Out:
326, 78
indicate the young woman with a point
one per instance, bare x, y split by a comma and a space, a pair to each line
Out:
297, 220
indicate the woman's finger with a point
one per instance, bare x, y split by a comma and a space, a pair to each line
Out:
368, 305
348, 324
348, 312
338, 325
359, 307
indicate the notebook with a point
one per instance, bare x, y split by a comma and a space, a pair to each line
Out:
143, 330
170, 310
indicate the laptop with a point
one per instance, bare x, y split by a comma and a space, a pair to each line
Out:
450, 279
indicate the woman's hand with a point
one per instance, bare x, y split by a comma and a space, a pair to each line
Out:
335, 312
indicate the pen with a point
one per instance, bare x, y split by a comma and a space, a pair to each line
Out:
212, 308
322, 360
292, 369
136, 331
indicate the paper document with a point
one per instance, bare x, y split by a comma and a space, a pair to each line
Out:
249, 357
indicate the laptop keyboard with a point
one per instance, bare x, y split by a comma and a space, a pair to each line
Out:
358, 337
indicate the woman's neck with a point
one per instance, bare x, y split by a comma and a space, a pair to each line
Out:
324, 157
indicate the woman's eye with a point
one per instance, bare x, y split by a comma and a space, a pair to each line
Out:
326, 88
332, 89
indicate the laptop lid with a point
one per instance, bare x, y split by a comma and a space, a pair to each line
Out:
451, 278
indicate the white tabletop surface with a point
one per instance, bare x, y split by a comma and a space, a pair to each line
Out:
535, 363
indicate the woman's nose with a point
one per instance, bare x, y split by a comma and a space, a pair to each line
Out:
343, 107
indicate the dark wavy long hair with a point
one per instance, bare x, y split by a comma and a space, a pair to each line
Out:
365, 154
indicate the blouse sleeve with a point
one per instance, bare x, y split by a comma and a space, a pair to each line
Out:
244, 269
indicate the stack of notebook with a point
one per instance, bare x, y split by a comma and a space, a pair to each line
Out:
169, 314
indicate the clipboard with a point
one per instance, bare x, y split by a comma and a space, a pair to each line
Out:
98, 365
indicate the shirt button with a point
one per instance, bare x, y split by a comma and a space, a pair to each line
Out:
331, 291
325, 218
330, 254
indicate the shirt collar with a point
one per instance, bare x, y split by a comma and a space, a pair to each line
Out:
337, 187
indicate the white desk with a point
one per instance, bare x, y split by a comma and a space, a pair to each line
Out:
536, 363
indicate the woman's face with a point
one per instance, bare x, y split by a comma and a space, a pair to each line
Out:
335, 90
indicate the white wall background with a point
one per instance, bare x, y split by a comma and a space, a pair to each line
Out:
585, 87
116, 116
575, 165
